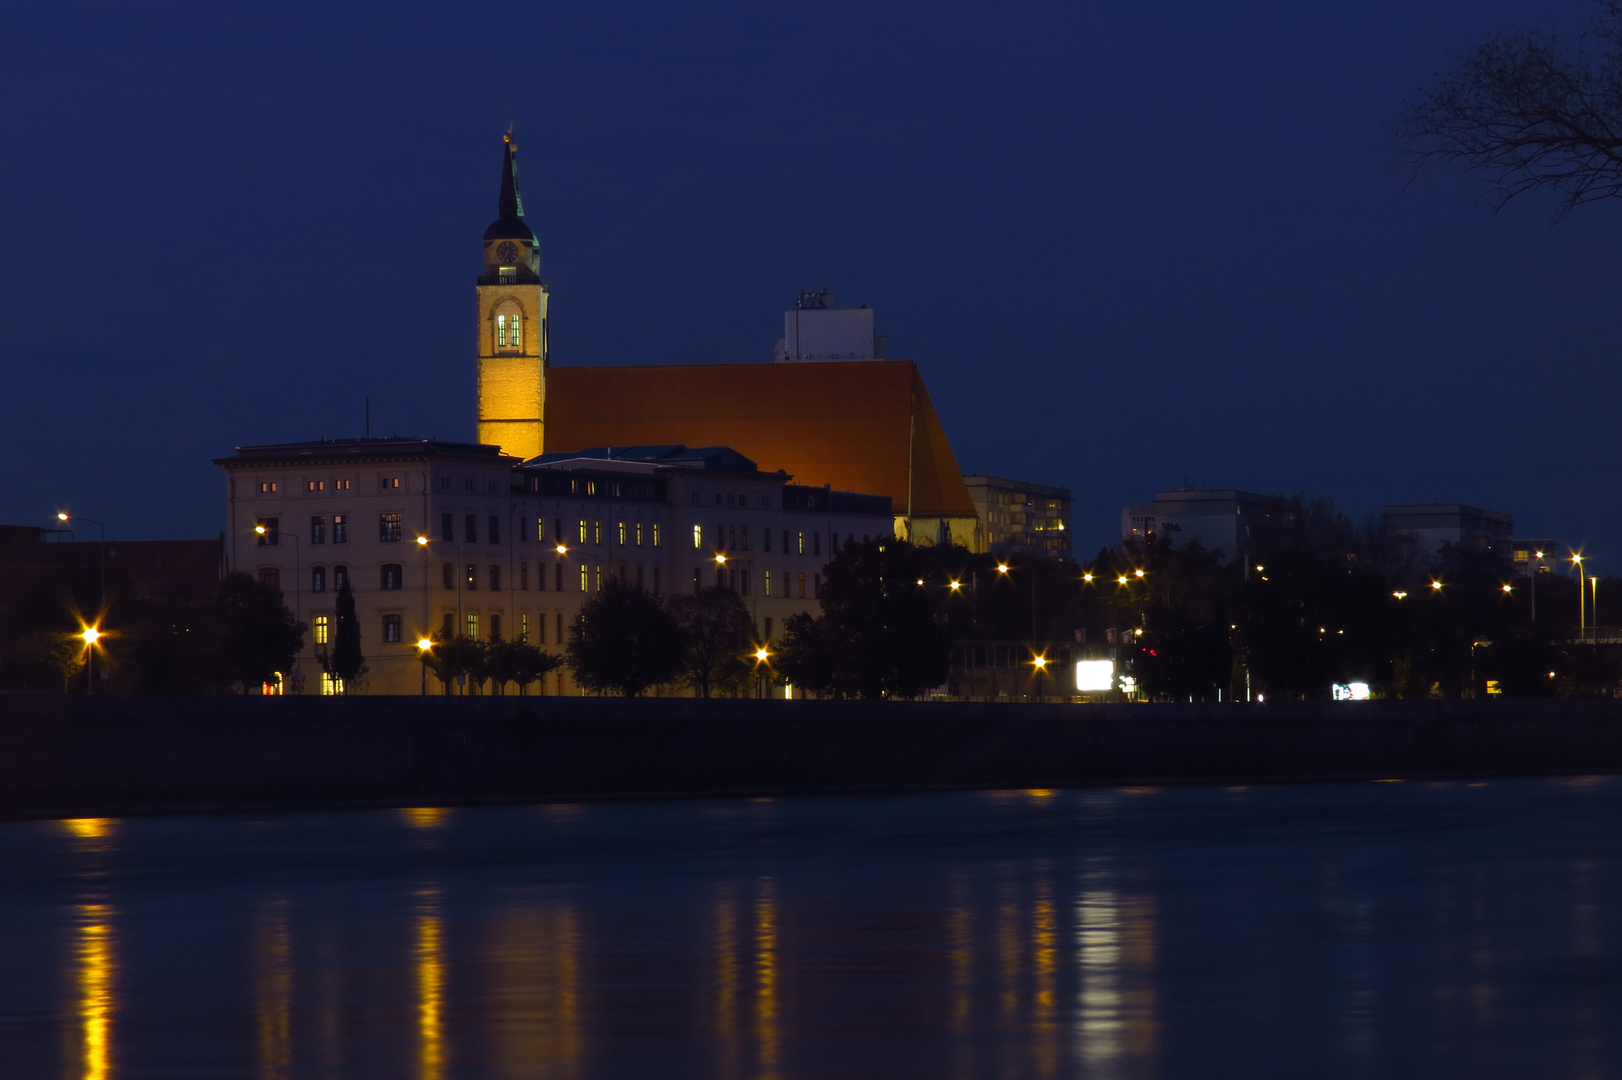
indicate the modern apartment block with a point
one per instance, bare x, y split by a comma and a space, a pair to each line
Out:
441, 537
1433, 525
1021, 518
1239, 524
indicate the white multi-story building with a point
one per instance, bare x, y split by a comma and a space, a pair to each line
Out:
440, 537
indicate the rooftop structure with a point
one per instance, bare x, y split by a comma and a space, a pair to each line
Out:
1238, 524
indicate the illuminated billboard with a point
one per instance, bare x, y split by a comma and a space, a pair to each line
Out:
1095, 675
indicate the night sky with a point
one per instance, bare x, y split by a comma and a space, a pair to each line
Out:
1130, 245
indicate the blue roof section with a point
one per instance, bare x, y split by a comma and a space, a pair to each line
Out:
711, 458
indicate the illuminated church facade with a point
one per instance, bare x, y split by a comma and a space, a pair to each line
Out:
830, 410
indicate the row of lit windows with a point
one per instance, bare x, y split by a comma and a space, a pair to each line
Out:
385, 483
391, 577
733, 499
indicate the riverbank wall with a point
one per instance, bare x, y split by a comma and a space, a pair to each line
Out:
74, 755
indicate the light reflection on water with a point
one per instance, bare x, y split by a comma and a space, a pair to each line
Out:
1358, 930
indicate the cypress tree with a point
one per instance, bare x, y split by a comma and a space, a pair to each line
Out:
346, 663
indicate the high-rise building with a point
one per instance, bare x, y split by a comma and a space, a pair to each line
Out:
1021, 518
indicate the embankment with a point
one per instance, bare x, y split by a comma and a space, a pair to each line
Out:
120, 755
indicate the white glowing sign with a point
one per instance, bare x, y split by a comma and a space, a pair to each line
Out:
1095, 675
1357, 691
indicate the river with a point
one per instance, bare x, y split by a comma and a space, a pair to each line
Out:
1350, 930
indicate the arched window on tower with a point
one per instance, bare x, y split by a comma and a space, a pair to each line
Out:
509, 327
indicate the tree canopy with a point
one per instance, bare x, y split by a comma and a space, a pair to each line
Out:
625, 641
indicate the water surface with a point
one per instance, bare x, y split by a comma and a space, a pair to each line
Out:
1359, 930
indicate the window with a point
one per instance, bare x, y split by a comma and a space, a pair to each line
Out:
392, 576
656, 579
444, 483
768, 628
698, 537
471, 578
388, 483
318, 579
340, 576
560, 577
340, 485
655, 534
269, 531
584, 578
473, 625
582, 530
816, 586
523, 628
802, 586
560, 638
743, 538
799, 543
318, 530
717, 498
743, 581
495, 529
639, 534
768, 583
523, 576
267, 487
323, 627
521, 533
495, 580
765, 539
448, 626
695, 498
331, 685
490, 486
816, 543
447, 526
391, 629
540, 530
622, 534
720, 577
558, 532
340, 528
315, 485
495, 627
388, 528
597, 533
270, 577
591, 487
467, 485
448, 573
509, 331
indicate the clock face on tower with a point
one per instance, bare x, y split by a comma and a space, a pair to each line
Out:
507, 253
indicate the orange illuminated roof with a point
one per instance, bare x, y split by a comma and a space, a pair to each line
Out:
842, 423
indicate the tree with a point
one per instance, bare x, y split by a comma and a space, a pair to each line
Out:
718, 636
453, 656
1529, 113
345, 662
519, 662
876, 637
624, 641
256, 634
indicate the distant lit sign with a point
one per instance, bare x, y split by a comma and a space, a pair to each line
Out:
1095, 675
1357, 691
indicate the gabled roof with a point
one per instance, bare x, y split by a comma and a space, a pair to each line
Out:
845, 423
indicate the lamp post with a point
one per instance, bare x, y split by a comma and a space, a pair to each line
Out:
101, 551
1534, 586
424, 647
1040, 664
1582, 615
91, 635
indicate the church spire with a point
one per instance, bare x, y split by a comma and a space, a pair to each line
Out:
511, 204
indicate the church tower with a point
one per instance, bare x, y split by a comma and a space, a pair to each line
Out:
512, 325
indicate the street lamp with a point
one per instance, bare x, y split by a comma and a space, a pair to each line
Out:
101, 550
955, 585
1087, 577
424, 647
1436, 586
1582, 614
91, 635
1040, 663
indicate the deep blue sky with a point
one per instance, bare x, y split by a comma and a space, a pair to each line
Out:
1129, 244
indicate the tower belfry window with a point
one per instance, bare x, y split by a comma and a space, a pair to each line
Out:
509, 331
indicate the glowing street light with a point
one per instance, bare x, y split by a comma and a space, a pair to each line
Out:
1040, 662
60, 516
761, 654
423, 644
91, 635
1087, 577
1121, 580
720, 558
424, 647
955, 585
422, 541
1002, 568
1436, 586
1582, 605
1400, 595
1137, 573
1507, 589
562, 550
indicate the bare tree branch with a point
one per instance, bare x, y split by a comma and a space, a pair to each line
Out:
1529, 114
